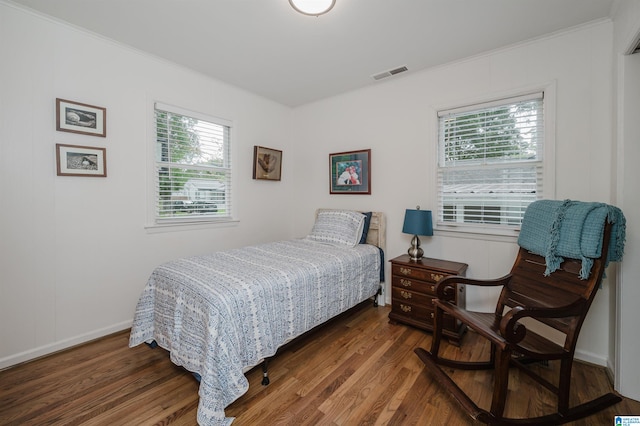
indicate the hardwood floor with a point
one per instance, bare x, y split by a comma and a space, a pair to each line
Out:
359, 370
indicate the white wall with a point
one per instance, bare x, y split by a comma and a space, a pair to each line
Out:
75, 251
397, 120
627, 32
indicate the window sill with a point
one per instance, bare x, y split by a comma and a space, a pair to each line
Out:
170, 226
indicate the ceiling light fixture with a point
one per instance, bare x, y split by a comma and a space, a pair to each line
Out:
312, 7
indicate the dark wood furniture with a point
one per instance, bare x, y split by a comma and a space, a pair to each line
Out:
413, 290
560, 300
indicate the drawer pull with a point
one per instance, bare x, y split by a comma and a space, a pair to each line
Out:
405, 271
405, 308
431, 315
406, 283
405, 294
436, 277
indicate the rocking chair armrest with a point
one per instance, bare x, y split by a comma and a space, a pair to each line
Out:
445, 290
514, 331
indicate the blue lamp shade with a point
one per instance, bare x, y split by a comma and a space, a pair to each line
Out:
418, 222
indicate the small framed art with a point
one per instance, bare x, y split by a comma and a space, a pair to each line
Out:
267, 163
80, 118
74, 160
350, 172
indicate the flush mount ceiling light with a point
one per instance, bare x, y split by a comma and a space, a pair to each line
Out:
312, 7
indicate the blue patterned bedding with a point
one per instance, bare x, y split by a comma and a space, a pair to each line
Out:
222, 313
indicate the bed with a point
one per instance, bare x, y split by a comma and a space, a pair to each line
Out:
221, 314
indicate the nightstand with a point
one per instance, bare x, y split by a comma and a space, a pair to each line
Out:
413, 287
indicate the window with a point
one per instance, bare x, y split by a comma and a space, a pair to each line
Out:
192, 166
490, 163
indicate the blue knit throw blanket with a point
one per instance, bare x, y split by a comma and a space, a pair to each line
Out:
571, 229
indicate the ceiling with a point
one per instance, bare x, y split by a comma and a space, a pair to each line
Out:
265, 47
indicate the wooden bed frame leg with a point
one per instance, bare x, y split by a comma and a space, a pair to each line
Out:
265, 374
375, 298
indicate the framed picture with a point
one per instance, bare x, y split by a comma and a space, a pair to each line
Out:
73, 160
267, 163
350, 172
80, 118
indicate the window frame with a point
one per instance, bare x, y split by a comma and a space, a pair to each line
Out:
546, 190
156, 224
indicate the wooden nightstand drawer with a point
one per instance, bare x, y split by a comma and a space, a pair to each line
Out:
418, 274
418, 315
413, 285
411, 297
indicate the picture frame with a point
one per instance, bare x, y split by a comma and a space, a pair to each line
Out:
350, 172
75, 160
267, 163
76, 117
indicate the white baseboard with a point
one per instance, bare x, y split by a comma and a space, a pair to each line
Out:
592, 358
48, 349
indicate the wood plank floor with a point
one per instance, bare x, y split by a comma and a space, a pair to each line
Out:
359, 370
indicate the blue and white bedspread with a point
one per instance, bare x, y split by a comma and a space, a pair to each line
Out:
222, 313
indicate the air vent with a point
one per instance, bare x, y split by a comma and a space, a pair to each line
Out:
634, 48
389, 73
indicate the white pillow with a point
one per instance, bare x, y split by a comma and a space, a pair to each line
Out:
338, 227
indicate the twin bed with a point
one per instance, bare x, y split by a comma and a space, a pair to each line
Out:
223, 313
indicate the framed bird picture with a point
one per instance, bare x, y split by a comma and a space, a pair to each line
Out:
267, 163
74, 160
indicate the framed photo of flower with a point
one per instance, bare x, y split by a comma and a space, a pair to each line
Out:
350, 172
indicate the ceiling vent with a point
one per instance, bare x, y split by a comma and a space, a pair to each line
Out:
634, 47
389, 73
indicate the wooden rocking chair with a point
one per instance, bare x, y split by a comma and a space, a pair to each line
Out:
560, 300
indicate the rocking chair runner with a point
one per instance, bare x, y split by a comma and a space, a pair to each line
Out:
559, 299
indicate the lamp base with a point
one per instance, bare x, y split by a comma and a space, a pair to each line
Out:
415, 252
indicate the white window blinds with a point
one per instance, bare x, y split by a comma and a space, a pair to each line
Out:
490, 164
193, 166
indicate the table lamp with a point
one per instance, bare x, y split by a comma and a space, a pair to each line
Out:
417, 222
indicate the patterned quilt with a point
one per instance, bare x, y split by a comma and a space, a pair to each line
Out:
222, 313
